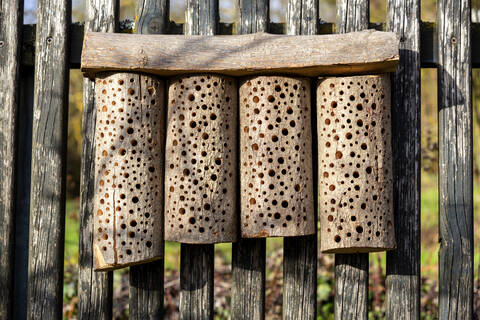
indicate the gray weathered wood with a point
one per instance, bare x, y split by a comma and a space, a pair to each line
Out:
403, 264
455, 160
146, 281
196, 281
254, 16
10, 50
197, 261
351, 271
95, 289
300, 253
47, 204
310, 55
352, 15
248, 255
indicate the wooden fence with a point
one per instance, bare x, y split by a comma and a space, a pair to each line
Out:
34, 72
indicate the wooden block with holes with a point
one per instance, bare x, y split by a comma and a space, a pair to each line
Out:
201, 160
276, 157
128, 169
355, 164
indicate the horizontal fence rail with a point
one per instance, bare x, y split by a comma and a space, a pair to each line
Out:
428, 45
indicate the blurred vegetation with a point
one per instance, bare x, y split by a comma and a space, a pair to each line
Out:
325, 280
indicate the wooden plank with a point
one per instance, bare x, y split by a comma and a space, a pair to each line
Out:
455, 160
10, 50
47, 198
403, 264
310, 55
248, 255
300, 253
351, 271
197, 260
146, 281
95, 289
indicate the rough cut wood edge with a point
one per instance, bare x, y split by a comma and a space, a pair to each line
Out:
363, 52
403, 264
49, 142
95, 289
10, 50
455, 153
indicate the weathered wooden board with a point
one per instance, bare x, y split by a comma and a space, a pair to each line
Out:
248, 255
49, 142
146, 280
403, 263
95, 289
10, 50
455, 150
355, 164
353, 53
351, 270
300, 253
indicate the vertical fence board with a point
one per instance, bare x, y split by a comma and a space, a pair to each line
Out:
248, 255
197, 260
49, 139
95, 289
10, 51
351, 270
403, 264
146, 281
455, 160
300, 253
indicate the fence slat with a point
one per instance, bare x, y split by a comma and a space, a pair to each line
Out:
10, 50
455, 160
95, 289
403, 264
146, 281
49, 140
197, 260
351, 270
248, 255
300, 253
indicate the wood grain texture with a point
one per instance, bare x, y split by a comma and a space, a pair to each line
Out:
300, 253
152, 16
128, 201
95, 289
355, 164
309, 55
352, 15
351, 271
146, 281
455, 160
10, 60
47, 202
403, 264
197, 261
248, 255
196, 281
254, 16
276, 157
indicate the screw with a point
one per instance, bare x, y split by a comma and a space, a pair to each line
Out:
454, 40
2, 44
49, 40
